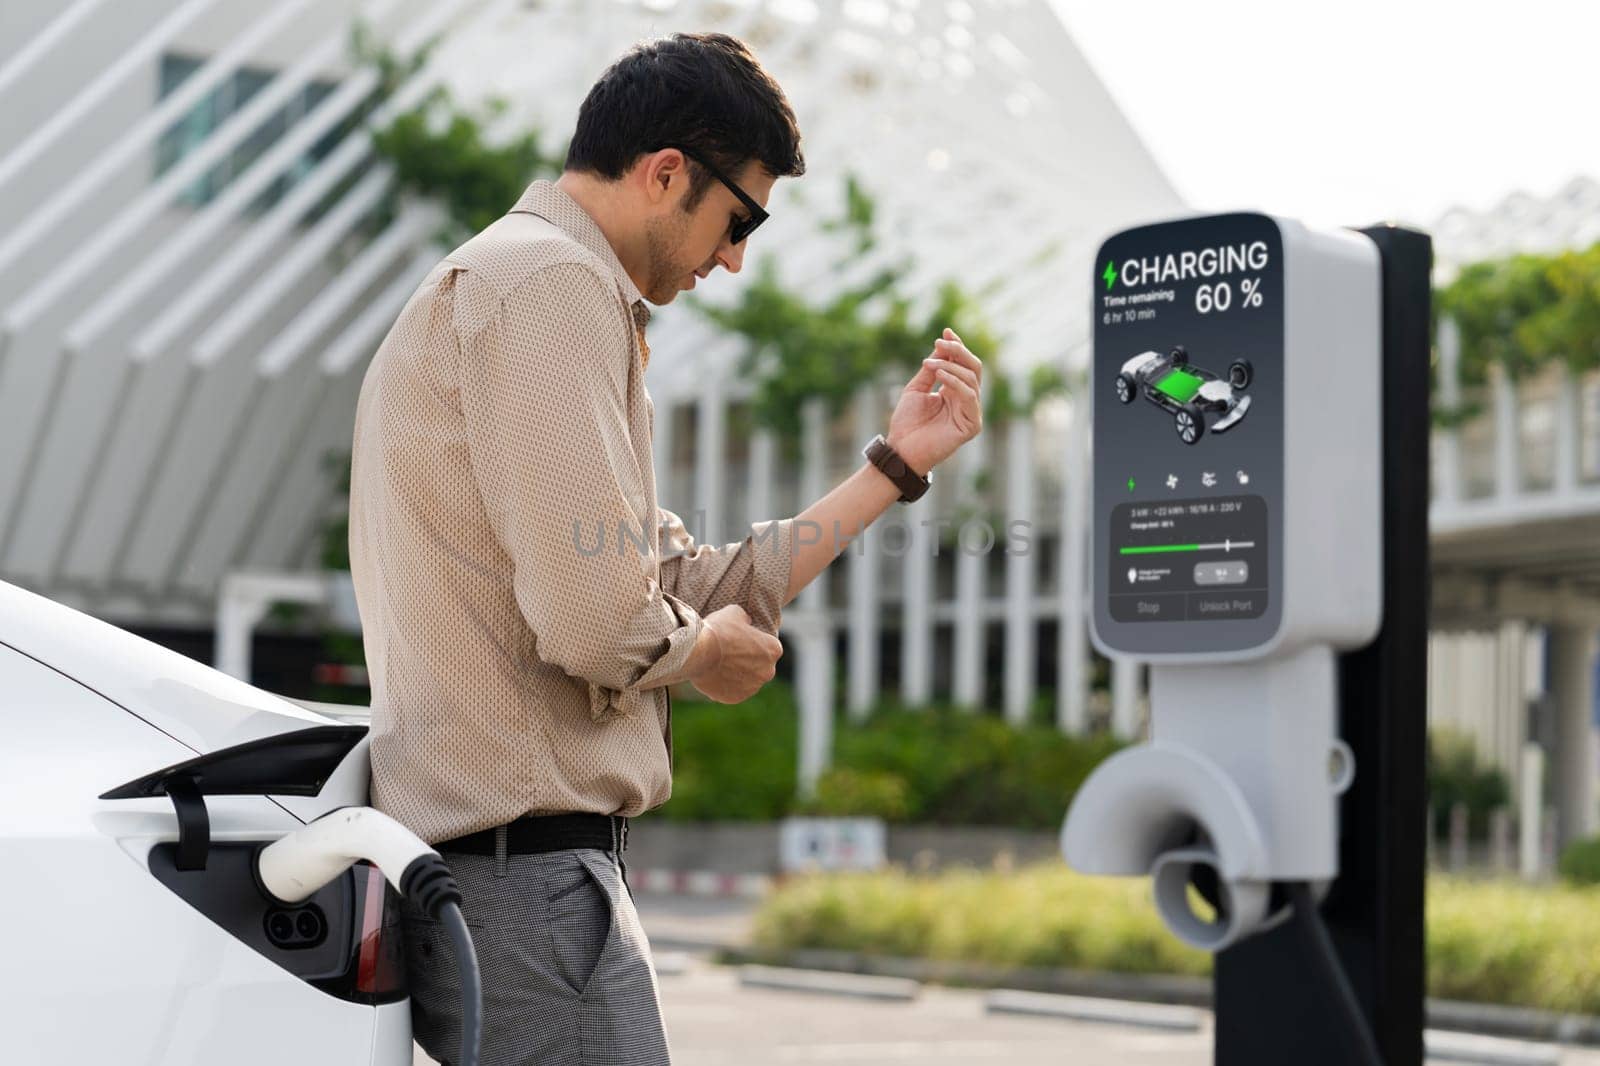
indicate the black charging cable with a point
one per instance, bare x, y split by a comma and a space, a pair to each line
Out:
429, 882
1309, 919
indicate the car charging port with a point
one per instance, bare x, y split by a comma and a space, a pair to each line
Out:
296, 928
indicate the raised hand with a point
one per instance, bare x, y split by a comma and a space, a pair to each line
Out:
928, 426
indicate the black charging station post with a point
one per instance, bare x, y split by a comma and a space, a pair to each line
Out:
1270, 1006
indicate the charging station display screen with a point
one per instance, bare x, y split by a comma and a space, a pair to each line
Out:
1188, 435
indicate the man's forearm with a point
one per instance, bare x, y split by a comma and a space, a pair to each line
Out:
828, 526
939, 411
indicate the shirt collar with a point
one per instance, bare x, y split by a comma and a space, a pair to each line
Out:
550, 202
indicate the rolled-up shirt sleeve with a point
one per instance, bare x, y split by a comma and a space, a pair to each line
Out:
753, 572
543, 394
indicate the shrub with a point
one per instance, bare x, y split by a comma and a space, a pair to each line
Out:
1041, 916
1580, 861
860, 793
734, 762
966, 768
941, 764
1499, 942
1505, 942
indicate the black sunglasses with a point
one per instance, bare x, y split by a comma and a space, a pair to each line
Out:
742, 227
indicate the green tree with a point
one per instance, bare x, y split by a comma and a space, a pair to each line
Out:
444, 154
1523, 311
1456, 774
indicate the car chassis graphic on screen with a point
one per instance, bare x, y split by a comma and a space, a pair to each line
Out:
1188, 392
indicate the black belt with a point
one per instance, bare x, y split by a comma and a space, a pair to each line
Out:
533, 833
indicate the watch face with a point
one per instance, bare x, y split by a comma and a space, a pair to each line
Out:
1188, 436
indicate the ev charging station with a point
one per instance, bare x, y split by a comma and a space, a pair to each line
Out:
1259, 537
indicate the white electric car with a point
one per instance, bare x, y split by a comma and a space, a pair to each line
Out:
132, 940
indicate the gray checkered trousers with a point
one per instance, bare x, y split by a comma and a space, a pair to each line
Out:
567, 976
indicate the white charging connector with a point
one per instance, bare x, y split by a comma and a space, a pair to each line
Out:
293, 867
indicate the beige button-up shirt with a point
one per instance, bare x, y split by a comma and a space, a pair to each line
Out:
524, 602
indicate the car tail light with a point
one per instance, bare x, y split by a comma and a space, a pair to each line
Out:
380, 960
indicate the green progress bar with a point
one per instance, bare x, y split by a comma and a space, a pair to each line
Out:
1155, 548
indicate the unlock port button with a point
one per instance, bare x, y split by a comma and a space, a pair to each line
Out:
1226, 572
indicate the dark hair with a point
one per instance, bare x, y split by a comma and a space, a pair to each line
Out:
702, 91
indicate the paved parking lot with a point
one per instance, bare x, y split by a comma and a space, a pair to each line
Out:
714, 1020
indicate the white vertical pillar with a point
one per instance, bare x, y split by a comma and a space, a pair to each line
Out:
814, 684
864, 576
970, 562
237, 617
1507, 726
1572, 651
1530, 805
1516, 734
1568, 427
711, 463
813, 477
814, 668
1072, 686
1507, 482
1504, 690
243, 600
763, 463
1022, 568
661, 450
916, 624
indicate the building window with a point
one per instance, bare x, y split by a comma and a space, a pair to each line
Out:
216, 107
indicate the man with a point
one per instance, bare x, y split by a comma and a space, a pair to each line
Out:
525, 603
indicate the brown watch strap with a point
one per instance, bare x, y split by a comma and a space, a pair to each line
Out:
885, 458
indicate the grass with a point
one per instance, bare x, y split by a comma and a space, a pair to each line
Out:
1038, 916
1493, 942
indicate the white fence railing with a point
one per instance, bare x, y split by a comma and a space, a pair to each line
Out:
1518, 449
963, 582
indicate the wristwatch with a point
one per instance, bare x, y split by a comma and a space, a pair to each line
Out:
886, 459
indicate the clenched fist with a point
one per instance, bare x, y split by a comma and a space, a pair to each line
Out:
747, 657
